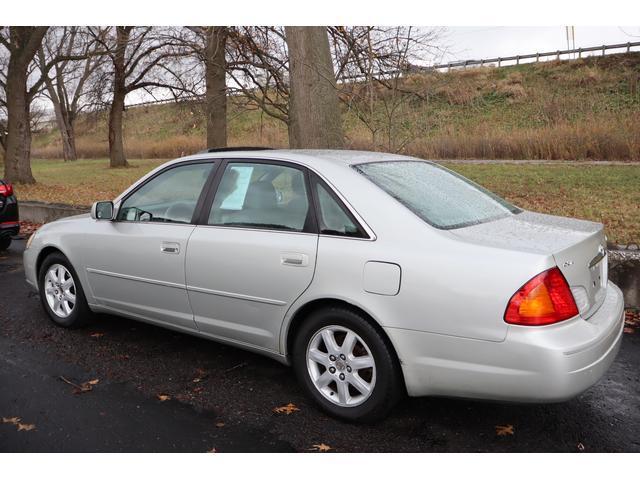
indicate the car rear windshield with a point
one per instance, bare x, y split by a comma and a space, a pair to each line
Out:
440, 197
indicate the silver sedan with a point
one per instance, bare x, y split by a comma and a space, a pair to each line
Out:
374, 275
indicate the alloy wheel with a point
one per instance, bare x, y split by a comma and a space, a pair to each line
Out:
341, 366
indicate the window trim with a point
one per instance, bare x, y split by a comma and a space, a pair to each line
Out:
215, 164
362, 232
311, 222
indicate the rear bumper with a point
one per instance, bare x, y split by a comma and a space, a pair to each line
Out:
533, 364
11, 228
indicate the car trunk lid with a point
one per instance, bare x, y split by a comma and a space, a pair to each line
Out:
577, 246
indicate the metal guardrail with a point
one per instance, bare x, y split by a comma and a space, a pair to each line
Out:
517, 58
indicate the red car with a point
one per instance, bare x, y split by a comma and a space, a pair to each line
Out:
9, 220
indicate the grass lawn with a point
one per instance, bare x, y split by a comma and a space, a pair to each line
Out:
603, 193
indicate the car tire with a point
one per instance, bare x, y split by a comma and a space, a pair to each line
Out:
316, 364
53, 281
5, 242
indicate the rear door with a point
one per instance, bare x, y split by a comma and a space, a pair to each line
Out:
254, 253
135, 264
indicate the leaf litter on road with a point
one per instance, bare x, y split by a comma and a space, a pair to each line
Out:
320, 447
163, 397
287, 409
82, 387
27, 427
503, 430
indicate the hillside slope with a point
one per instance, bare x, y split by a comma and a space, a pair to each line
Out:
579, 109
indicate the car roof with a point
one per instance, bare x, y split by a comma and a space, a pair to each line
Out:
308, 157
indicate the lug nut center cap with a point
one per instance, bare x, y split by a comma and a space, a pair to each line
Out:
340, 365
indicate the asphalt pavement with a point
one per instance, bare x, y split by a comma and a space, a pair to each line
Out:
163, 391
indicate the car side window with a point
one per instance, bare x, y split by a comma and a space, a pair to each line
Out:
260, 195
333, 218
169, 197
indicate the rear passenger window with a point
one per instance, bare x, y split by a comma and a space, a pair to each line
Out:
261, 196
334, 220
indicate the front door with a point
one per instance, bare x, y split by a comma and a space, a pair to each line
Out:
255, 253
135, 264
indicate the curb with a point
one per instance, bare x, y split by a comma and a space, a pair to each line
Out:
42, 212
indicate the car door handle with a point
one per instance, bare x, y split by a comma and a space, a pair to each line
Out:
294, 259
170, 247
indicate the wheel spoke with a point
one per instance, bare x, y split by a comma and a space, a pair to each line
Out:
324, 379
70, 297
318, 356
330, 341
358, 382
359, 363
51, 276
67, 284
60, 274
343, 393
66, 307
349, 342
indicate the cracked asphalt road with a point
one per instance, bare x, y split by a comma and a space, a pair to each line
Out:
223, 398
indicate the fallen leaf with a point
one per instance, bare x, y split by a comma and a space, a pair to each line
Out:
628, 330
287, 409
213, 450
163, 398
200, 375
197, 389
12, 420
220, 424
26, 427
502, 430
83, 387
97, 335
321, 447
580, 446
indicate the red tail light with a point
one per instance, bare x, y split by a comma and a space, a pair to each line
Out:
6, 189
543, 300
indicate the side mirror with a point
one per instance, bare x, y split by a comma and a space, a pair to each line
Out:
102, 211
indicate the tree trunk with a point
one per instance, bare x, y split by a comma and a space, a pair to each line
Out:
216, 88
17, 159
69, 151
314, 114
116, 143
24, 43
65, 124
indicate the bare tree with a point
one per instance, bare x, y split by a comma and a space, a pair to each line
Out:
141, 58
66, 83
314, 114
22, 43
258, 67
374, 65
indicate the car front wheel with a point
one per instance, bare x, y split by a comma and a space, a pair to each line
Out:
346, 365
61, 294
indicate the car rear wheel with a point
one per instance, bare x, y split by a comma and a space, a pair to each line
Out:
4, 243
61, 294
346, 365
